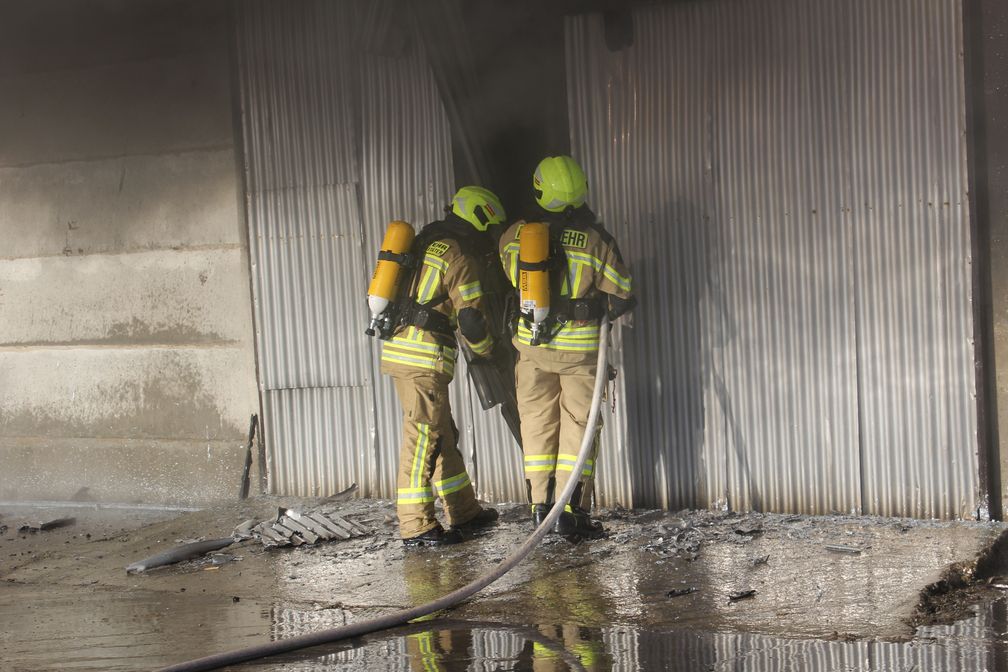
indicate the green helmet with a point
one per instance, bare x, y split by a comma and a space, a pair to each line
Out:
478, 206
559, 183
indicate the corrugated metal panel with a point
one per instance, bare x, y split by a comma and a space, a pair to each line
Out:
789, 367
316, 447
339, 139
498, 465
614, 123
911, 232
308, 267
307, 253
297, 94
735, 150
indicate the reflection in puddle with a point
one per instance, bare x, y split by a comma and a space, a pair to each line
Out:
976, 645
142, 630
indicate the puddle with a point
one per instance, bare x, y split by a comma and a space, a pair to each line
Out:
656, 595
109, 630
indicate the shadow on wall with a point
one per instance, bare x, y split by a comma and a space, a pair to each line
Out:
677, 402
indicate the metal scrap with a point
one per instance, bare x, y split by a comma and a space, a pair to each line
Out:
341, 495
296, 528
244, 530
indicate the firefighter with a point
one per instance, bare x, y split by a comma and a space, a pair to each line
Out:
557, 354
444, 294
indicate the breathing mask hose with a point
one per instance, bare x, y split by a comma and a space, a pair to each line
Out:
403, 616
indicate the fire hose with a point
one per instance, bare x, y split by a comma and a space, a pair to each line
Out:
452, 599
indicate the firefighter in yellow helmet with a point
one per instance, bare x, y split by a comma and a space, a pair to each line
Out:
443, 295
557, 357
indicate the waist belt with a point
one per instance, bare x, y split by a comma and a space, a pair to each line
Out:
567, 310
423, 316
579, 310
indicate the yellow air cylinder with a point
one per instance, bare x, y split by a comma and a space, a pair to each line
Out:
385, 281
533, 285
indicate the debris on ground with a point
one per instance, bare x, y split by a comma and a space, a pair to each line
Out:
244, 530
741, 595
47, 525
679, 592
179, 554
340, 496
289, 528
839, 548
223, 558
761, 560
749, 528
296, 528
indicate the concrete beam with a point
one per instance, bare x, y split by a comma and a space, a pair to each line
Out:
176, 393
145, 107
189, 473
162, 298
124, 204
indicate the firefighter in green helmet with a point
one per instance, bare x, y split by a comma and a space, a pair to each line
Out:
557, 359
444, 295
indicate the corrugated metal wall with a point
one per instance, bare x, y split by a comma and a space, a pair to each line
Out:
788, 180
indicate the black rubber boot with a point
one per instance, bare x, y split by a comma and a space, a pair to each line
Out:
485, 518
575, 525
539, 513
437, 536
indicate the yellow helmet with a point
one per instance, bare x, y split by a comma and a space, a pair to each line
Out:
478, 206
559, 183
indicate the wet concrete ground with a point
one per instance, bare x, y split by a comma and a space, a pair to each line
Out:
831, 593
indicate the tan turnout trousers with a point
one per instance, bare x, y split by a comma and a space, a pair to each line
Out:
430, 464
554, 397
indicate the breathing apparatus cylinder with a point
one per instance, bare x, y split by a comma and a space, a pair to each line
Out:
385, 281
533, 275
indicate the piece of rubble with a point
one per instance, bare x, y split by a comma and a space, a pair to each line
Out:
244, 530
679, 592
761, 560
341, 495
749, 529
298, 528
741, 595
47, 525
838, 548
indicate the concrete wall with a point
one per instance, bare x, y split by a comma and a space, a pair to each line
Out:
126, 342
990, 29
